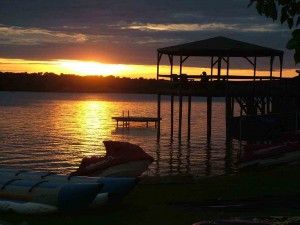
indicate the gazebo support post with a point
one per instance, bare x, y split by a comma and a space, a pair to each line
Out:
182, 60
219, 67
271, 66
159, 55
254, 68
171, 63
213, 64
180, 66
281, 62
227, 67
211, 67
253, 64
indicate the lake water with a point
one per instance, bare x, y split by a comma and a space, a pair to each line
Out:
54, 131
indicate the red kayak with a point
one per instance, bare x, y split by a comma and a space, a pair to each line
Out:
284, 151
122, 159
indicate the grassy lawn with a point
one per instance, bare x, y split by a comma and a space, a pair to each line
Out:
273, 192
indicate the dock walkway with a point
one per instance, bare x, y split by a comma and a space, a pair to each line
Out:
127, 119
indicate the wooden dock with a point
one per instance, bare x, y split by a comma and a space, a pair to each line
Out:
127, 119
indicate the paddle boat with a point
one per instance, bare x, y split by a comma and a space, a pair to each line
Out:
24, 191
122, 159
283, 151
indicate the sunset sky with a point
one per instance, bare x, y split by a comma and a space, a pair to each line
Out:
120, 37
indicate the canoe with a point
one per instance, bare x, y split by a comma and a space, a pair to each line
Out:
55, 196
122, 159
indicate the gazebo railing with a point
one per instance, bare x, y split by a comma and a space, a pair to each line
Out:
185, 77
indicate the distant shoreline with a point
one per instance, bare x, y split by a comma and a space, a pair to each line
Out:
50, 82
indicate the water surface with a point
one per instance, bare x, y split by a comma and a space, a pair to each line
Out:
54, 131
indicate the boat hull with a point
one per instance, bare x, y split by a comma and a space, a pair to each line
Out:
122, 159
129, 169
59, 195
113, 188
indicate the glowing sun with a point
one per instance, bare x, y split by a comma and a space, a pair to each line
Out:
91, 68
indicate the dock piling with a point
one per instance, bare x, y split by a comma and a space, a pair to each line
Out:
229, 115
189, 116
172, 116
180, 117
158, 116
209, 112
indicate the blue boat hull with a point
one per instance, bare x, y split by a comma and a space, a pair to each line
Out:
112, 189
60, 195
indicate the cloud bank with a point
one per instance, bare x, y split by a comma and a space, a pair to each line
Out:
127, 31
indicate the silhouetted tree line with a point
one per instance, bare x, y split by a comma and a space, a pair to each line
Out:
50, 82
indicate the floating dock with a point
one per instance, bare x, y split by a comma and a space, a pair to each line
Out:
141, 119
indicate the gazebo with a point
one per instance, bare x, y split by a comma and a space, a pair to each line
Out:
219, 49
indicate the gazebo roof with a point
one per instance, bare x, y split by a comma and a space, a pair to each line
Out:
220, 46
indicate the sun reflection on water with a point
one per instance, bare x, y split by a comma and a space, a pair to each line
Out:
94, 119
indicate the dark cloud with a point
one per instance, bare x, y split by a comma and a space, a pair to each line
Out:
127, 31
